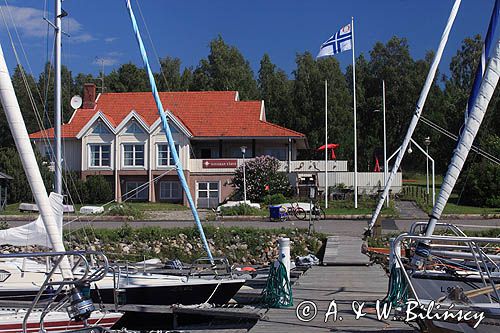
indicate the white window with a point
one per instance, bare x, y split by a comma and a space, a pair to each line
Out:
208, 194
134, 129
170, 190
173, 130
165, 158
100, 155
100, 128
136, 191
133, 155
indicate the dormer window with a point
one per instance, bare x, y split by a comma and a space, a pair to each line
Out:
100, 128
134, 128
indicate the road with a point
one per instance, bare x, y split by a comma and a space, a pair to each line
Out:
332, 227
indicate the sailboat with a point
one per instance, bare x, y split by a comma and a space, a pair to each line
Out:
133, 288
452, 275
79, 311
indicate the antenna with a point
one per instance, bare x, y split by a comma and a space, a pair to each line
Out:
76, 102
101, 60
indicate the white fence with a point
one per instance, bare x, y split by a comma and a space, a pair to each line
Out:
368, 182
306, 166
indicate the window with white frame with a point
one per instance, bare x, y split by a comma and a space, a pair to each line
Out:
170, 190
134, 128
136, 190
165, 158
133, 154
100, 155
100, 128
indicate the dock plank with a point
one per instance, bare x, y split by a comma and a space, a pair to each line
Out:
346, 279
344, 251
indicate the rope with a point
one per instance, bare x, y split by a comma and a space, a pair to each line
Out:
277, 293
397, 292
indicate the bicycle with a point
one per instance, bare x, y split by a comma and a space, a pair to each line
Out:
317, 212
297, 211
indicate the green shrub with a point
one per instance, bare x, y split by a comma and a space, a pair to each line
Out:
274, 199
99, 190
125, 210
241, 209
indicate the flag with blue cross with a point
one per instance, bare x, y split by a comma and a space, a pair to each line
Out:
341, 41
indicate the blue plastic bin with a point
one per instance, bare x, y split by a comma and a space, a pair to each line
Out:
277, 213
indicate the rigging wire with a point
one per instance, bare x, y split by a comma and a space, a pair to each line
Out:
153, 45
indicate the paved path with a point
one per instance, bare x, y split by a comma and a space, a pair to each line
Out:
410, 210
330, 227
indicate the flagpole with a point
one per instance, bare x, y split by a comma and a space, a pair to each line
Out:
355, 134
326, 144
386, 167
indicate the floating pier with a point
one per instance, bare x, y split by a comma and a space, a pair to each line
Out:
345, 276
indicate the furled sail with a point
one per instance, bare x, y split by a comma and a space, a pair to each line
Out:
34, 233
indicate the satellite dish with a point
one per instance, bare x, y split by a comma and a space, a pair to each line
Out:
76, 102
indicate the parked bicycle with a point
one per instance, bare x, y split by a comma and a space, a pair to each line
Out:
297, 211
317, 212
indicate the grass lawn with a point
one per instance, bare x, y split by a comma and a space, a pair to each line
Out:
13, 209
418, 179
157, 206
453, 208
365, 207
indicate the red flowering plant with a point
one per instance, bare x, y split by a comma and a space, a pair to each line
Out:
263, 177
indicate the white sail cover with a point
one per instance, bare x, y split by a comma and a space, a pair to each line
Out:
34, 233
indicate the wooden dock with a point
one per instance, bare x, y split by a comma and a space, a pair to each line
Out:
345, 277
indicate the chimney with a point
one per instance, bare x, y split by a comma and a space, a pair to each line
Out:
88, 96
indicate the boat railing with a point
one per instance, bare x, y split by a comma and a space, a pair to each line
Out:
477, 254
458, 232
218, 265
57, 299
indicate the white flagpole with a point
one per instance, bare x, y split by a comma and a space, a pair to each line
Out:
355, 134
326, 144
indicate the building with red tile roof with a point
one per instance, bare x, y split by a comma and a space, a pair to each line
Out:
119, 136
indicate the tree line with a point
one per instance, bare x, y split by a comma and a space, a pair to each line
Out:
296, 101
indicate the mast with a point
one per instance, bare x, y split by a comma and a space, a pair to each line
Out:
28, 160
417, 112
474, 119
168, 132
57, 99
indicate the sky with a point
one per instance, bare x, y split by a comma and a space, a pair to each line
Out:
100, 32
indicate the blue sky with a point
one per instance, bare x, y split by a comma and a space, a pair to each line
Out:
282, 28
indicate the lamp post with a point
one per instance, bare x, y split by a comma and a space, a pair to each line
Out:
243, 151
427, 142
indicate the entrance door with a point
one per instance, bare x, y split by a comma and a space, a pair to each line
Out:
208, 194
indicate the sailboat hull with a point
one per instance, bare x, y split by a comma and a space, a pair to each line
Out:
11, 322
186, 294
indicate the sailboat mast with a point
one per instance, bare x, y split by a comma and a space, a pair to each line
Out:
474, 120
57, 99
28, 160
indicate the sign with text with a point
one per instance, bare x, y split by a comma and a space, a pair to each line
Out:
220, 164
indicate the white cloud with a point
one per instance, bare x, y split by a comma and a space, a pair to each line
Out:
106, 61
82, 38
29, 22
110, 39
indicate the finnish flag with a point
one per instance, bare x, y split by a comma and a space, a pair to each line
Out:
341, 41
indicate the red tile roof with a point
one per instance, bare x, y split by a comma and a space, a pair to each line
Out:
204, 114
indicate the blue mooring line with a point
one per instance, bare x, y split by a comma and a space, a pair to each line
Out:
166, 128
